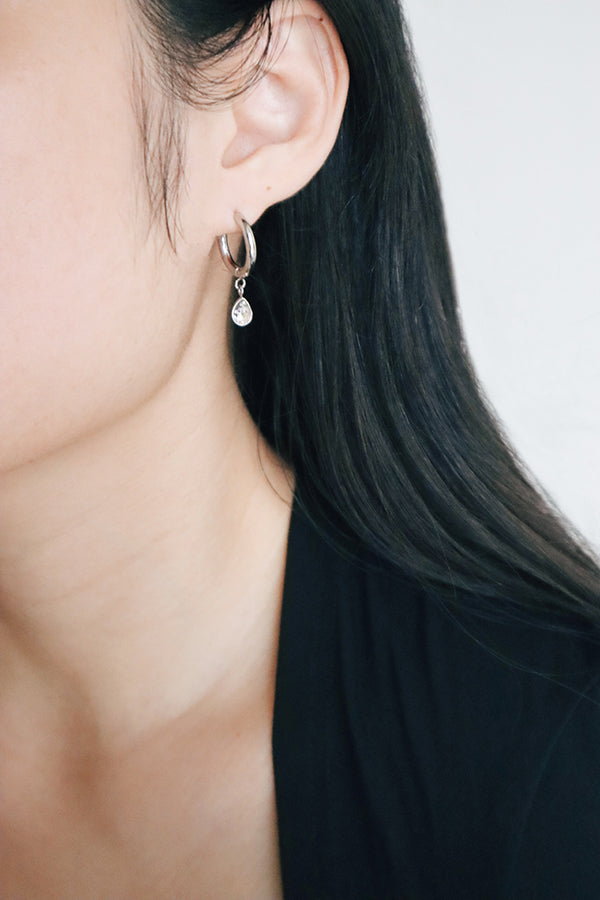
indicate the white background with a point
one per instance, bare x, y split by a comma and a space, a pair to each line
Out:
513, 91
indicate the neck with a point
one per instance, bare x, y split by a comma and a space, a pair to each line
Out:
141, 568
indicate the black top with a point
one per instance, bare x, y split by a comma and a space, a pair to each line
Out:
410, 761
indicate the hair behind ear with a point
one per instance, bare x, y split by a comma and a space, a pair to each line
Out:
356, 368
358, 371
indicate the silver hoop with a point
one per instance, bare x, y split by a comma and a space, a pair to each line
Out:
250, 244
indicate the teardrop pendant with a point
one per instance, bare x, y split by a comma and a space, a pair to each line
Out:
242, 311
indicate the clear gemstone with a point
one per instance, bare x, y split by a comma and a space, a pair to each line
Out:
241, 312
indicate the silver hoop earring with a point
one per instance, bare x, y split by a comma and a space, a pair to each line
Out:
241, 312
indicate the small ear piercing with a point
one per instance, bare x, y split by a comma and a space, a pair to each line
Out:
241, 312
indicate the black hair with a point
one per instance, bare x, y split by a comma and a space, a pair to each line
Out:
355, 367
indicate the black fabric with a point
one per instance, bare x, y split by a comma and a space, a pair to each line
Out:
411, 761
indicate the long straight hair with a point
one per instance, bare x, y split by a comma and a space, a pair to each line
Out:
355, 368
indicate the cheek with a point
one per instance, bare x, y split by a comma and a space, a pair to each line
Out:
88, 329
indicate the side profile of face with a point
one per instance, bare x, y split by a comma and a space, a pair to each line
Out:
94, 311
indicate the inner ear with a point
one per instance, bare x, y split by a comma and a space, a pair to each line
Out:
271, 114
294, 99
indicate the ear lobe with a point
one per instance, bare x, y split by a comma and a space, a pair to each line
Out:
287, 124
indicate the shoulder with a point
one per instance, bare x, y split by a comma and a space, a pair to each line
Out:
392, 621
465, 739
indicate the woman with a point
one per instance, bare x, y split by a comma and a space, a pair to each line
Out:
281, 613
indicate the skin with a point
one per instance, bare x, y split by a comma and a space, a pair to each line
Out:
143, 519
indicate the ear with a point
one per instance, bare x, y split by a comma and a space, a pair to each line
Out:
287, 124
